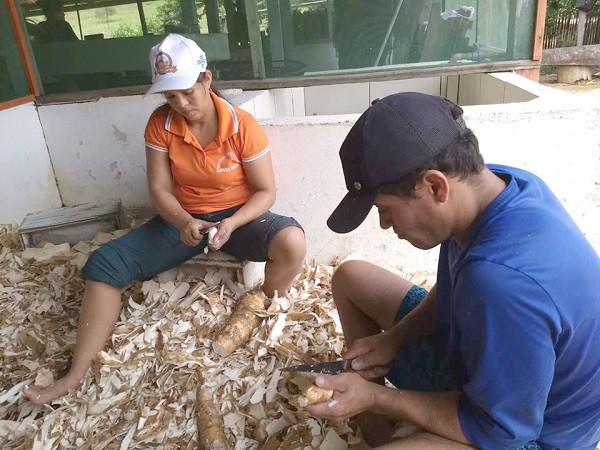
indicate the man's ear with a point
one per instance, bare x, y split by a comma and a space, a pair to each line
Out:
436, 184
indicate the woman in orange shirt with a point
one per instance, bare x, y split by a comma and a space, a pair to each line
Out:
208, 164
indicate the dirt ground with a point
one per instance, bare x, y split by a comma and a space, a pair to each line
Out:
589, 88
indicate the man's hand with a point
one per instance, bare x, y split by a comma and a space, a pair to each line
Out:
224, 230
351, 396
193, 232
370, 356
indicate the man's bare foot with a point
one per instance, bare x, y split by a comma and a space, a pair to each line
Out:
42, 395
375, 428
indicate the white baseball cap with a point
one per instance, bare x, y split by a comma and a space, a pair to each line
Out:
176, 64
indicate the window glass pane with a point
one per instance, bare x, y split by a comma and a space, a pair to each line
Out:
13, 82
96, 44
341, 36
351, 34
104, 43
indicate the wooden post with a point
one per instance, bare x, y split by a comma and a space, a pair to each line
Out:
212, 16
142, 17
538, 37
275, 30
581, 27
512, 29
287, 26
190, 17
24, 50
256, 49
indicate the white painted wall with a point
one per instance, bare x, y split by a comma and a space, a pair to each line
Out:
98, 152
98, 148
470, 89
27, 182
559, 143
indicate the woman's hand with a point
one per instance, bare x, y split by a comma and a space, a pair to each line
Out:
351, 396
194, 231
371, 356
224, 229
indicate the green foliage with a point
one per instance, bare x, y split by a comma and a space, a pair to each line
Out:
127, 30
169, 13
559, 7
547, 70
310, 23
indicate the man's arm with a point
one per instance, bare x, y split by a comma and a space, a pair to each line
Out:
436, 412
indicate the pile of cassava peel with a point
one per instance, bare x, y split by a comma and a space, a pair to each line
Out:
141, 391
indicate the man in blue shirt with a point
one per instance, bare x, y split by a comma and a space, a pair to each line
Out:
504, 351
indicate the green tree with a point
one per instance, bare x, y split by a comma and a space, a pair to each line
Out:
169, 13
557, 7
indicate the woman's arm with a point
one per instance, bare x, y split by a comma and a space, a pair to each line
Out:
262, 180
160, 182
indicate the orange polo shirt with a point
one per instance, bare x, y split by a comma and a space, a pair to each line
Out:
211, 178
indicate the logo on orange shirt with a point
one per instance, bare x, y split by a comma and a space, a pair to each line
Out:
227, 163
164, 64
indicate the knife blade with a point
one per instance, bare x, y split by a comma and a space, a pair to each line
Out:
327, 368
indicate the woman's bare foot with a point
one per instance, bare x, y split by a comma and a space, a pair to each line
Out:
42, 395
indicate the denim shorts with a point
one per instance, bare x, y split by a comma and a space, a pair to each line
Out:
417, 366
155, 247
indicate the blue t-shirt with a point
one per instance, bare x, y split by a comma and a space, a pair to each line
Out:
520, 306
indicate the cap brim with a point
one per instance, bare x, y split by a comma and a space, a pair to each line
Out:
182, 81
351, 212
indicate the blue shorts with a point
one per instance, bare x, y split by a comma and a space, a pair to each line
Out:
417, 367
155, 247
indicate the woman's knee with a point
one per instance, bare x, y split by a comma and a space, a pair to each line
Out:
288, 245
104, 265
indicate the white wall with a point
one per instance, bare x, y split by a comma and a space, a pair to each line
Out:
560, 143
27, 182
98, 152
98, 148
348, 98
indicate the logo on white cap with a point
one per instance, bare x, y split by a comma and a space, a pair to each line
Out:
164, 64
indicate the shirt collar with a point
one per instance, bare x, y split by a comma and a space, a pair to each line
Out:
228, 119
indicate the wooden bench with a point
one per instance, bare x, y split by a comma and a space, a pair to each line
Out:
71, 223
82, 222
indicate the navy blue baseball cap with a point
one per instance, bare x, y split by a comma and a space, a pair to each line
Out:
392, 138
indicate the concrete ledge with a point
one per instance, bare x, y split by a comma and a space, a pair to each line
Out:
573, 74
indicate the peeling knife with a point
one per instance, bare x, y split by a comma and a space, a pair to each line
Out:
328, 368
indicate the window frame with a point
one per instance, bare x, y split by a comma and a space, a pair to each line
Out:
532, 64
34, 90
